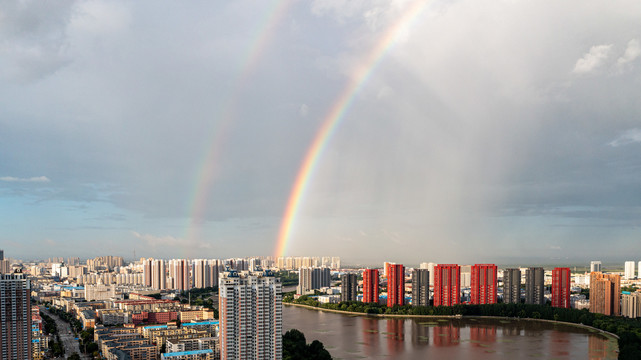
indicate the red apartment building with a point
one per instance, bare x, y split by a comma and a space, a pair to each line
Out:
370, 286
484, 284
447, 284
396, 285
561, 287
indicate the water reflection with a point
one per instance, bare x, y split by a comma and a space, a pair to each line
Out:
354, 337
420, 334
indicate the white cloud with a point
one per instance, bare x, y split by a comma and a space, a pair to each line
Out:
593, 59
631, 52
628, 137
31, 179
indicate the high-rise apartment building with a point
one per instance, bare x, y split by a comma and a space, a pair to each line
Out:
396, 285
484, 283
146, 271
251, 316
420, 287
304, 281
561, 287
639, 271
201, 273
429, 266
321, 277
512, 286
447, 284
595, 266
535, 286
370, 286
313, 278
629, 270
158, 275
605, 292
631, 305
386, 266
349, 287
179, 274
15, 317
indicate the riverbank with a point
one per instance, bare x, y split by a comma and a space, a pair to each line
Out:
609, 335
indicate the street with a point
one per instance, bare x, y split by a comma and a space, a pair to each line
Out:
66, 336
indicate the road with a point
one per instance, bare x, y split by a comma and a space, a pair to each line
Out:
67, 336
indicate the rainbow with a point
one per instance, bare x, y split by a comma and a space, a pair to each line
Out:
334, 116
207, 172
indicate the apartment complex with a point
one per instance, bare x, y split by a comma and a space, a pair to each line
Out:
15, 317
395, 285
370, 286
561, 287
251, 318
484, 284
447, 284
535, 286
512, 286
420, 287
605, 292
349, 287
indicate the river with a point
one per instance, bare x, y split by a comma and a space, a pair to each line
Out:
360, 337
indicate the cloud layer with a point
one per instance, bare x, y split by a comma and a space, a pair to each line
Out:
486, 129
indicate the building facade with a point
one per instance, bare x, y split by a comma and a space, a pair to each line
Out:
629, 270
595, 266
605, 292
349, 287
15, 317
535, 286
561, 287
631, 305
447, 284
512, 286
420, 287
484, 284
396, 285
251, 316
370, 286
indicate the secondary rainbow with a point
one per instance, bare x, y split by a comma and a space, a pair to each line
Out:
333, 118
225, 114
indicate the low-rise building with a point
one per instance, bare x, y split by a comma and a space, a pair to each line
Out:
191, 315
208, 354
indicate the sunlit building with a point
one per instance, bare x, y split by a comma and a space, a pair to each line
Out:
370, 286
447, 286
484, 284
396, 285
605, 292
251, 316
561, 287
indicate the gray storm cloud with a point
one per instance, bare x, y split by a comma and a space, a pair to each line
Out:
485, 129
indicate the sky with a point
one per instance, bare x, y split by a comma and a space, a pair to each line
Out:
470, 131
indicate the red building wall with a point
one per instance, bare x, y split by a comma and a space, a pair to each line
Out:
561, 287
447, 284
484, 284
396, 285
370, 286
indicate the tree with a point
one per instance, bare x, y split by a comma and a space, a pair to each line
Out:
296, 348
74, 356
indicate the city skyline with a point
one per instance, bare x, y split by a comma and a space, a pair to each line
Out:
368, 130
